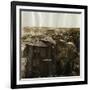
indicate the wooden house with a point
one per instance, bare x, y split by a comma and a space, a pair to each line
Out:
40, 59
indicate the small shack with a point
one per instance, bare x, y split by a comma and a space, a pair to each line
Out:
40, 59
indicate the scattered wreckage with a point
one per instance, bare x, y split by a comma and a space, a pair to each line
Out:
48, 57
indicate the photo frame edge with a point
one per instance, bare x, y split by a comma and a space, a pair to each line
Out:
13, 49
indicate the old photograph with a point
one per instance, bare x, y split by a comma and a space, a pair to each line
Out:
50, 44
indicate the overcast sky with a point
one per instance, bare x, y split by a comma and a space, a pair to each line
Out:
44, 19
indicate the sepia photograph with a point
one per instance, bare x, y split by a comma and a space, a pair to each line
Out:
49, 44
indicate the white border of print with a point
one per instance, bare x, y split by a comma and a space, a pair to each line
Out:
53, 79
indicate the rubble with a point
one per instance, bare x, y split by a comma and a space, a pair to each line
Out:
51, 53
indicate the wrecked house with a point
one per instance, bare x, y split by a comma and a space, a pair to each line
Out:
40, 61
